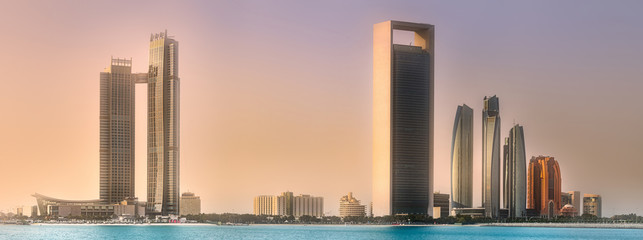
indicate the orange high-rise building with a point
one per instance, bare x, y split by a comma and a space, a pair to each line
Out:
543, 186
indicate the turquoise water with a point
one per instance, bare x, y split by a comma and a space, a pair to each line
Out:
306, 232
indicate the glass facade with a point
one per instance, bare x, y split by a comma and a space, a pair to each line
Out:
543, 186
491, 157
410, 130
515, 173
163, 126
117, 132
462, 159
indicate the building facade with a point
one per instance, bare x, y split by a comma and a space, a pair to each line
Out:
515, 179
441, 205
576, 201
592, 204
351, 207
163, 145
307, 205
117, 132
491, 157
462, 159
543, 186
263, 205
403, 120
190, 204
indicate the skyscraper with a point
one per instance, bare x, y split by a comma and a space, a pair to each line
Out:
543, 186
514, 172
403, 120
163, 144
491, 156
462, 159
117, 132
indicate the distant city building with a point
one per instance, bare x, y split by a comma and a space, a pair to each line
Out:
515, 173
568, 211
462, 159
576, 201
592, 205
351, 207
190, 204
491, 157
19, 211
441, 202
403, 90
117, 132
473, 212
54, 207
34, 211
163, 145
307, 205
543, 184
263, 205
282, 205
565, 198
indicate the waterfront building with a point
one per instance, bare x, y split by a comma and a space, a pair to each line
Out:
515, 173
351, 207
163, 145
543, 186
403, 120
491, 157
307, 205
576, 201
592, 204
263, 205
34, 211
19, 211
568, 211
473, 212
117, 132
462, 159
441, 204
190, 204
54, 207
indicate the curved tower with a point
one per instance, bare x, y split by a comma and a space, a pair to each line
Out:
462, 159
163, 126
491, 157
543, 186
515, 173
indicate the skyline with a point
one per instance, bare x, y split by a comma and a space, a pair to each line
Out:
545, 69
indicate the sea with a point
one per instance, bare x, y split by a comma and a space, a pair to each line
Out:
316, 232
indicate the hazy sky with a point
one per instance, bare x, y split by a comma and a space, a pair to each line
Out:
276, 95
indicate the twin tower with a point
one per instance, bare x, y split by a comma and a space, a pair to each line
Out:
117, 142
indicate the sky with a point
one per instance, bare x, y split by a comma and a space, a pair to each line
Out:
277, 95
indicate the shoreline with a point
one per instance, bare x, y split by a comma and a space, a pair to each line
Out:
568, 225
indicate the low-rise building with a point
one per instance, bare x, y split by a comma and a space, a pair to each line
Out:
592, 204
190, 204
351, 207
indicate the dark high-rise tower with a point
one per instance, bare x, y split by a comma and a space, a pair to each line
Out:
403, 120
491, 157
163, 142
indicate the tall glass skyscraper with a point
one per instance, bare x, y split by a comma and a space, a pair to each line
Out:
462, 159
491, 157
163, 142
117, 132
403, 120
515, 173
